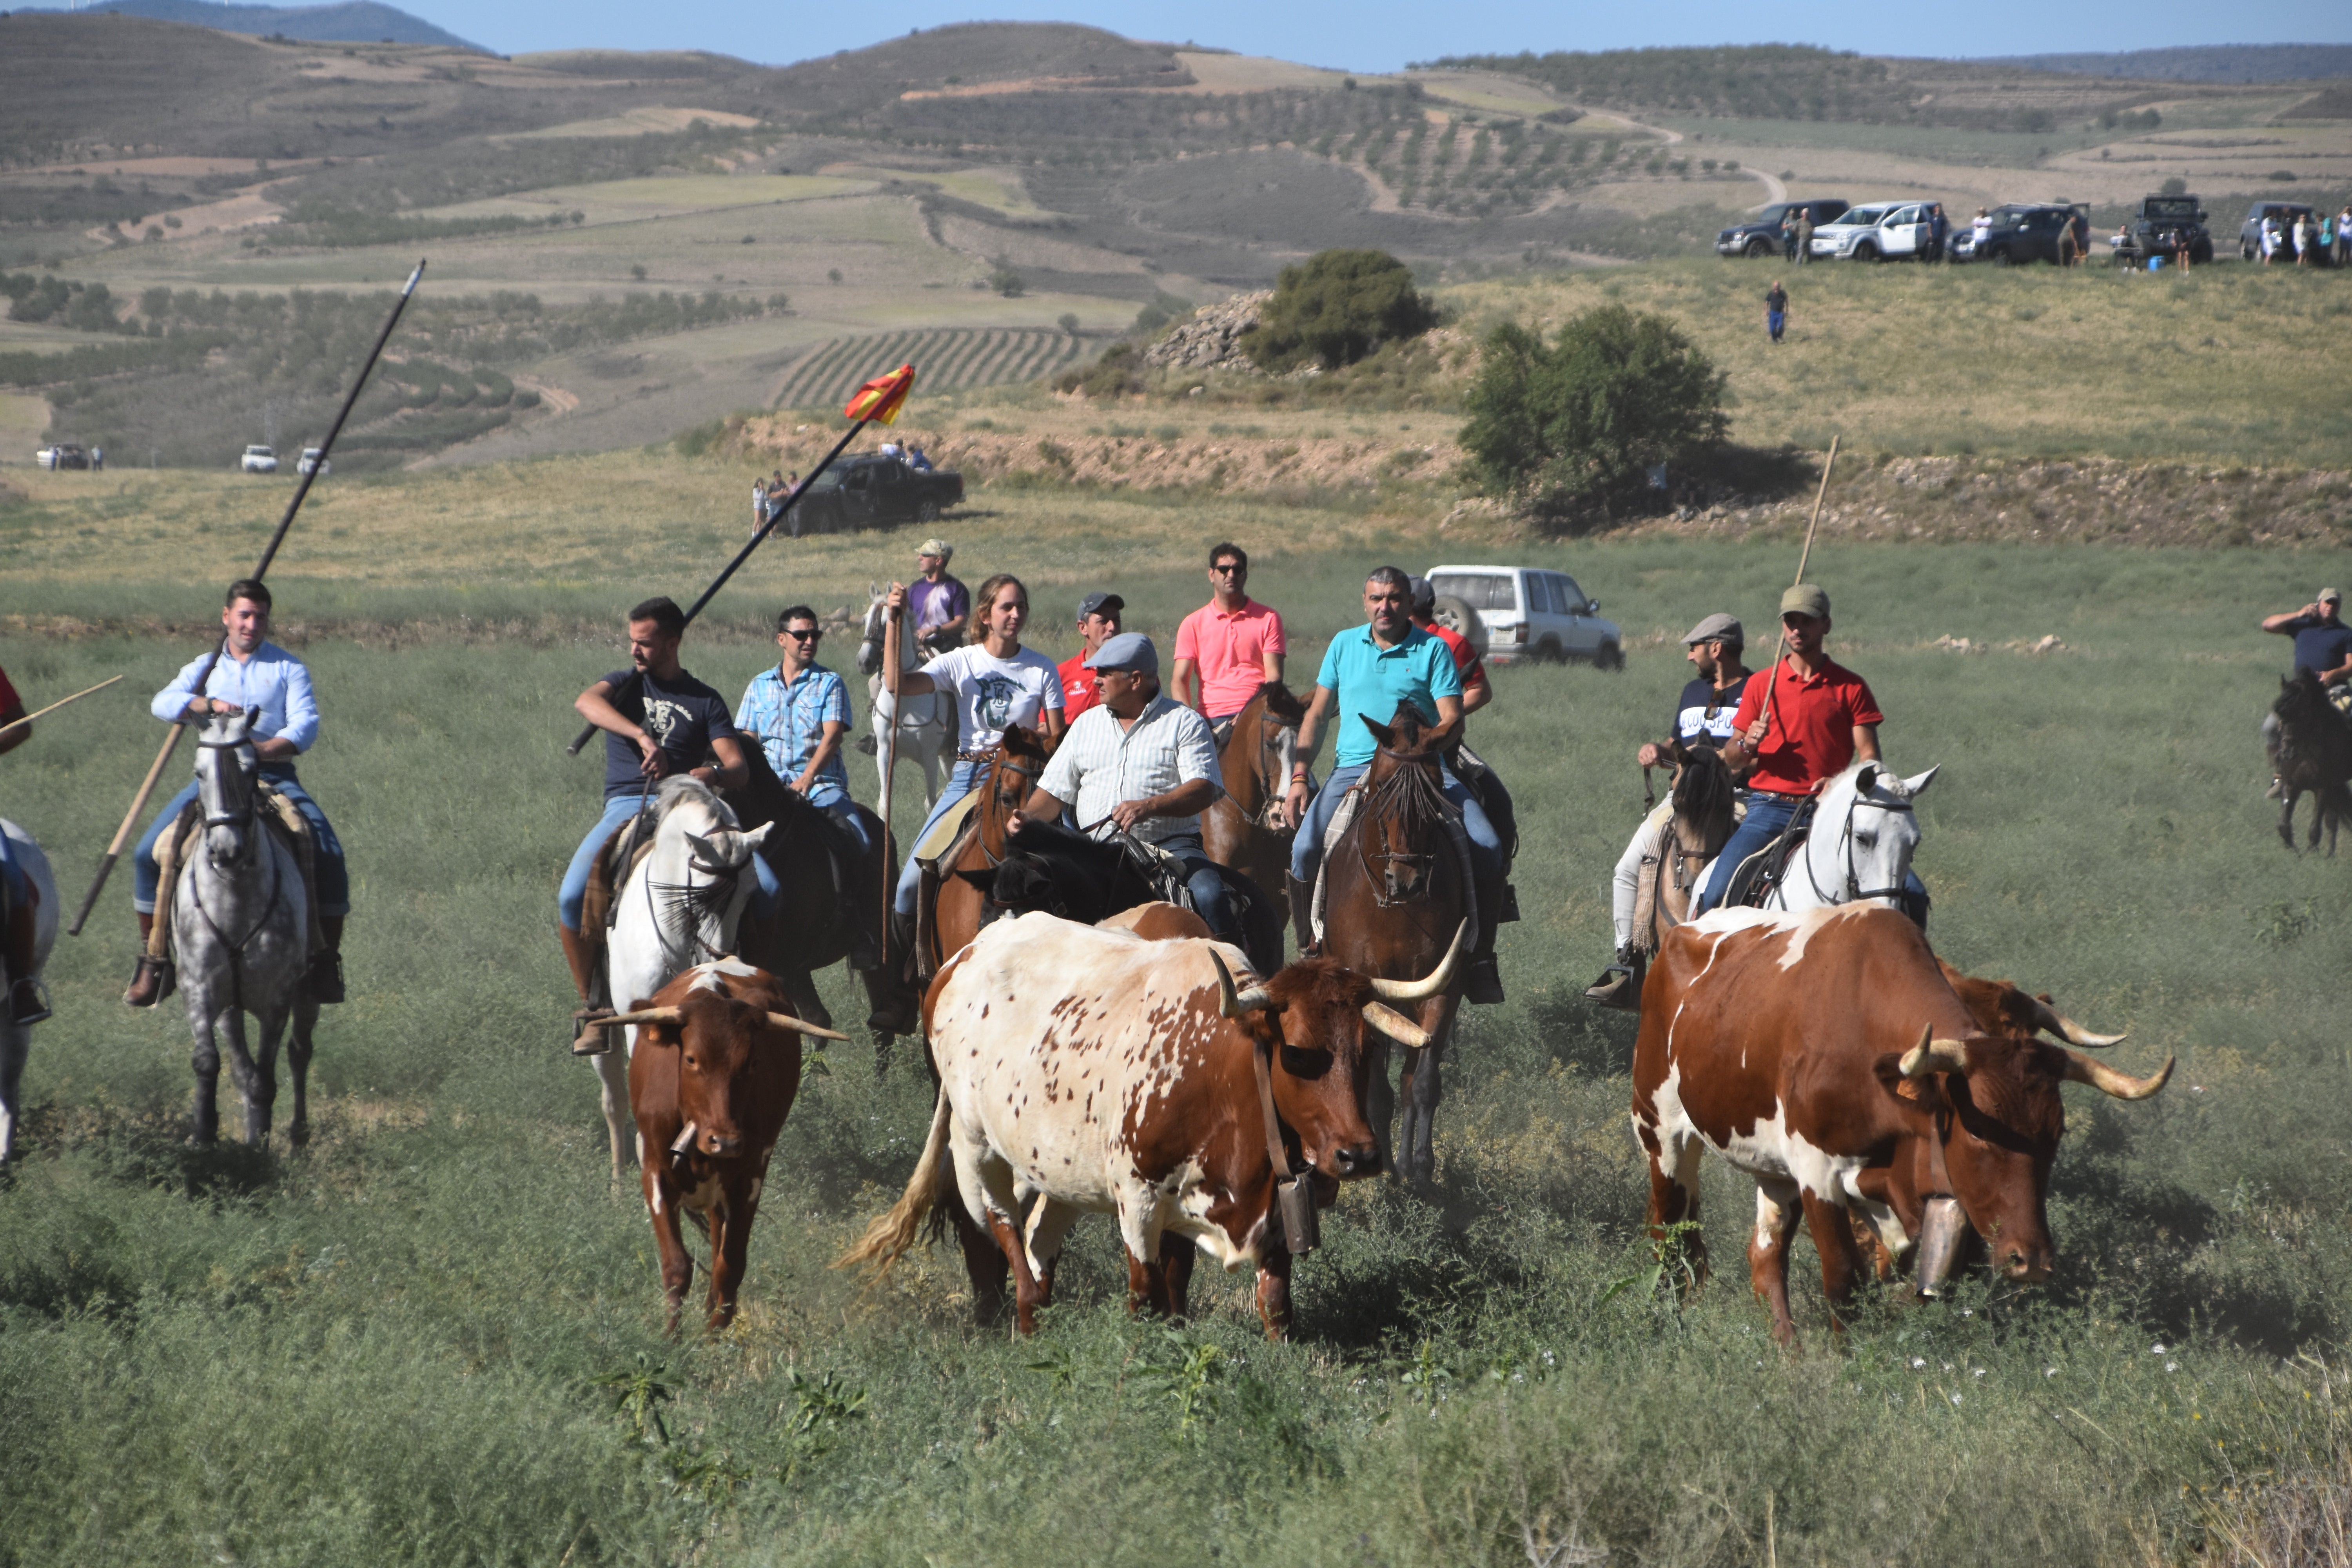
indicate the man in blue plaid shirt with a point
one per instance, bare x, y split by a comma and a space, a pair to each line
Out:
799, 713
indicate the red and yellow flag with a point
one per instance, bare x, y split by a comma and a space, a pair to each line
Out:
881, 398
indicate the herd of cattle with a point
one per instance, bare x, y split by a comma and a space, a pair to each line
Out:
1140, 1069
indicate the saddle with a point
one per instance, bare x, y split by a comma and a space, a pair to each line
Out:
607, 875
1753, 879
172, 851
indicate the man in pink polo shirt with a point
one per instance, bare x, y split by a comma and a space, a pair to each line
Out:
1231, 645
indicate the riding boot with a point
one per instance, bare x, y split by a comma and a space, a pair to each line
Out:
1482, 979
1620, 985
900, 1013
26, 1005
579, 954
325, 981
153, 980
1302, 917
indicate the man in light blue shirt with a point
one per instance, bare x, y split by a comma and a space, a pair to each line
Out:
799, 714
1367, 671
252, 675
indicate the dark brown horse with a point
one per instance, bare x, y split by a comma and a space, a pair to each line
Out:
1241, 829
957, 911
1397, 900
1676, 855
2313, 754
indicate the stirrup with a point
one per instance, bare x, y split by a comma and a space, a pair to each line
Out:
166, 981
584, 1029
28, 1002
1482, 980
1616, 988
325, 981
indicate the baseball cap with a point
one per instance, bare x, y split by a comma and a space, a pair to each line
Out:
2330, 596
1128, 650
1806, 599
1094, 603
1422, 592
1718, 627
938, 547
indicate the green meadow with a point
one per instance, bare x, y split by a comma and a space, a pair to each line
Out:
434, 1337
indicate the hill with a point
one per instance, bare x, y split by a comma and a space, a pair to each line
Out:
353, 21
2215, 62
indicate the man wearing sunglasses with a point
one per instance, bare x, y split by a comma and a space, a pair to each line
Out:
799, 714
1229, 647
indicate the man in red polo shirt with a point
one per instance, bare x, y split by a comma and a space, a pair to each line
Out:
1098, 616
1231, 645
1476, 693
1822, 717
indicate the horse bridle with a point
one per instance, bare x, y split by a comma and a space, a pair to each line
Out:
1412, 800
1854, 892
246, 819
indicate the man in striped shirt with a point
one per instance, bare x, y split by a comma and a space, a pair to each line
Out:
1142, 764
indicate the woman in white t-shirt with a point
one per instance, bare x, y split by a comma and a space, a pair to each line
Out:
995, 682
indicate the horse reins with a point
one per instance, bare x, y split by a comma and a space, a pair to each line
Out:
246, 819
1412, 800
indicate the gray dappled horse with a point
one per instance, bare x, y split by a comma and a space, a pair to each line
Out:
926, 730
17, 1040
241, 924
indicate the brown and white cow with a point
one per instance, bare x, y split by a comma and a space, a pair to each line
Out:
1085, 1069
717, 1063
1807, 1049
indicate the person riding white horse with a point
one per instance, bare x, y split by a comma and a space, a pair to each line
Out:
254, 677
926, 725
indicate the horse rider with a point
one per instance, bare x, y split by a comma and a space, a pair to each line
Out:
253, 676
659, 725
1824, 717
1367, 672
1099, 622
942, 603
996, 683
2322, 647
799, 712
1476, 693
1143, 765
26, 1004
1229, 647
1702, 719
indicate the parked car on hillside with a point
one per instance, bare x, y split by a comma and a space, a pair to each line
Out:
873, 492
2250, 233
1511, 612
62, 454
1760, 235
2168, 226
1882, 231
258, 460
2022, 232
311, 460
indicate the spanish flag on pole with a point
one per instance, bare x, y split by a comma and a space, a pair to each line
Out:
880, 399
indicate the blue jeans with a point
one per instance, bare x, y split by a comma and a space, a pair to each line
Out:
327, 865
965, 778
1205, 883
1486, 848
1767, 816
618, 810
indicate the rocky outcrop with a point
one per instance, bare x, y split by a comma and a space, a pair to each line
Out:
1211, 338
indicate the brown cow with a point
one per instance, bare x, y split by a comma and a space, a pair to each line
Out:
1806, 1049
711, 1078
1096, 1070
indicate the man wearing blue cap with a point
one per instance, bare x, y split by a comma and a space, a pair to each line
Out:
1142, 764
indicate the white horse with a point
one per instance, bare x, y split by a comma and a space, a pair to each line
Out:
677, 909
241, 924
925, 727
1859, 848
17, 1044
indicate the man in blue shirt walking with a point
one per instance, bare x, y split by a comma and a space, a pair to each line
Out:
1367, 671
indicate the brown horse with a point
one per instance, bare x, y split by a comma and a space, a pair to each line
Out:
2313, 754
955, 911
1241, 830
1698, 823
1397, 898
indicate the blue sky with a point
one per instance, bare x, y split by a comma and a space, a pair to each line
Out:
1381, 34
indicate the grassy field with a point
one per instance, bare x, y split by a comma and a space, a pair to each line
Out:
435, 1336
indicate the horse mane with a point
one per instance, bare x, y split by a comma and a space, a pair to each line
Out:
1281, 703
1703, 789
2301, 695
678, 789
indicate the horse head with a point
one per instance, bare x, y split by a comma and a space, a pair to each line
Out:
1703, 791
694, 876
1399, 827
1863, 835
1014, 770
227, 765
869, 639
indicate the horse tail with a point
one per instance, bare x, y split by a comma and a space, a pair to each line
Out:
887, 1239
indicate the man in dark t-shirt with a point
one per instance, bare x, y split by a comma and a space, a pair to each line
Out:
2322, 647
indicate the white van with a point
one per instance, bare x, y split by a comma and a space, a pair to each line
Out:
1510, 612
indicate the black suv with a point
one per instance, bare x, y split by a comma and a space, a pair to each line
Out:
873, 492
1760, 235
2249, 233
2169, 226
2022, 232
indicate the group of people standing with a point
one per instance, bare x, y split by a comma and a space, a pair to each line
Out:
2310, 237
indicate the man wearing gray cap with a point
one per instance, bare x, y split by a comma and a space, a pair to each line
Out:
1142, 763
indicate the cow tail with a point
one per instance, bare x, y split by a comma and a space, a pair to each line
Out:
888, 1237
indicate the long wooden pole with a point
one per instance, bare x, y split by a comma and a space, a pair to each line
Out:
260, 570
890, 672
58, 703
1773, 670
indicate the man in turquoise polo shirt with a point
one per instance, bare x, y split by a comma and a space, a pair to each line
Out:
1367, 671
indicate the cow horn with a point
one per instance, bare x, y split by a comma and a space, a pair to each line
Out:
1421, 990
1231, 1003
1932, 1055
786, 1021
1395, 1025
2066, 1029
643, 1016
2081, 1068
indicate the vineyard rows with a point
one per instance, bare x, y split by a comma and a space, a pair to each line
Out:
945, 360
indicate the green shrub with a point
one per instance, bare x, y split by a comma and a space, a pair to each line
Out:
1337, 308
1578, 423
1109, 376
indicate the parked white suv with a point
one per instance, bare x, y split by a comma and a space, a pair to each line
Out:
1512, 613
1875, 231
258, 460
310, 461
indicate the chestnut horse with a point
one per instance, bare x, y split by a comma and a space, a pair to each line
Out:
1240, 830
957, 911
1397, 902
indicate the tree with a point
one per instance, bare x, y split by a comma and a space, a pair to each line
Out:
1335, 309
1579, 423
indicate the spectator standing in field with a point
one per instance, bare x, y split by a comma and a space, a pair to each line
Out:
2344, 236
98, 459
1776, 309
1229, 647
759, 504
1940, 231
1098, 617
941, 604
1980, 230
2270, 237
1789, 234
1804, 236
2306, 240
